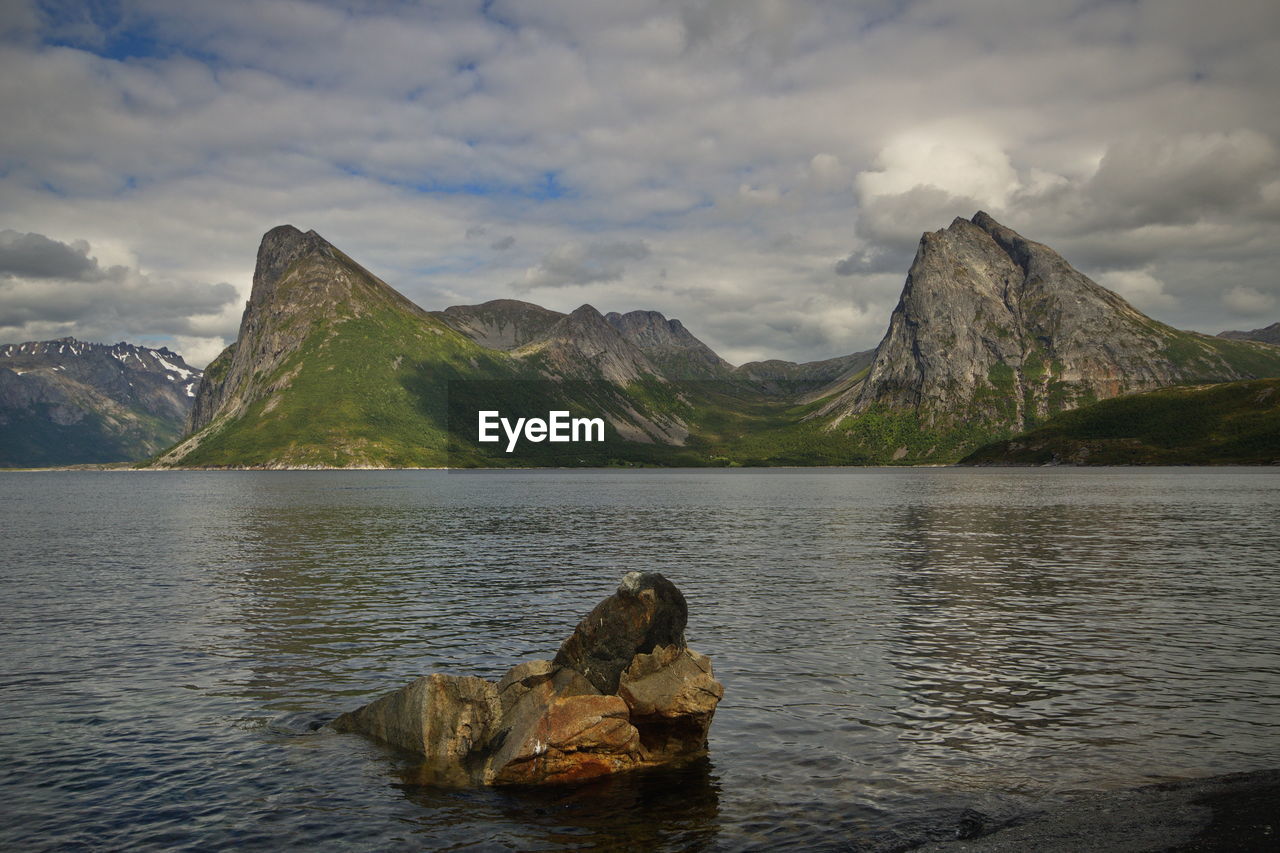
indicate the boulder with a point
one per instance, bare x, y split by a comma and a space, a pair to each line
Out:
623, 693
441, 717
671, 696
647, 611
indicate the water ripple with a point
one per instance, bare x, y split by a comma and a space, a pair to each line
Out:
896, 646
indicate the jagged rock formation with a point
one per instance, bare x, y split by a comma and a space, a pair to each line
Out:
623, 693
582, 345
665, 347
66, 402
1267, 335
669, 345
994, 332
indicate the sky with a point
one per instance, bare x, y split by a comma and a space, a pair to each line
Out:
760, 169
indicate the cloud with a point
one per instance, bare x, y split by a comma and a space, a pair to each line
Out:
36, 256
1247, 301
578, 263
1161, 180
49, 289
1139, 287
776, 157
960, 161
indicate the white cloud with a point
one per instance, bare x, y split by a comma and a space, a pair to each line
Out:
768, 155
960, 161
1248, 301
579, 263
1142, 289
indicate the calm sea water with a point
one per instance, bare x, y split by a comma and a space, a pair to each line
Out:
896, 646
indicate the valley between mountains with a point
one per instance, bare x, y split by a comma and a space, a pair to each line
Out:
994, 335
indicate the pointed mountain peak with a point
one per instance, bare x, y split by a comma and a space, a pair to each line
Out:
586, 311
280, 248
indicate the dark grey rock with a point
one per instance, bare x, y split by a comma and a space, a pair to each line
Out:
647, 611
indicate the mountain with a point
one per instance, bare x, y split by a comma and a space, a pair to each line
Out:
994, 333
334, 368
67, 402
669, 345
504, 324
1228, 423
326, 370
1267, 335
786, 378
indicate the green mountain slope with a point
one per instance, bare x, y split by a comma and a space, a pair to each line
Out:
993, 334
334, 368
1229, 423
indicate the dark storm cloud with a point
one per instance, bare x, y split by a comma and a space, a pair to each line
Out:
36, 256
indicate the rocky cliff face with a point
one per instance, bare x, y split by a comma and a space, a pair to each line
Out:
669, 345
994, 332
68, 402
300, 283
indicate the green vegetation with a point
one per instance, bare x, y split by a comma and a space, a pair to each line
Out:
34, 438
1228, 423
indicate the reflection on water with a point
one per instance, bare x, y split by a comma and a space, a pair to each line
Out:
897, 646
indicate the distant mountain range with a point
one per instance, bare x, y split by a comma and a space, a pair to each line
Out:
994, 335
1268, 335
66, 402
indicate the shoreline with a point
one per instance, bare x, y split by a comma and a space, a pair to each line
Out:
1234, 811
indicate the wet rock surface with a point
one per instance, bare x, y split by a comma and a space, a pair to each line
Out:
623, 693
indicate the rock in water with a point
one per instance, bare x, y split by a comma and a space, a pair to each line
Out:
442, 717
647, 611
623, 693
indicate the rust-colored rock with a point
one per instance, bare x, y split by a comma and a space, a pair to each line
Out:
549, 721
574, 737
672, 697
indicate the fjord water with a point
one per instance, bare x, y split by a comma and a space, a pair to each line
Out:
896, 645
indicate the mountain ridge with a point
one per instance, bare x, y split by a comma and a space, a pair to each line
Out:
67, 401
993, 333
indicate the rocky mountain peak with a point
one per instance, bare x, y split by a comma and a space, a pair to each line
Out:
583, 345
300, 282
997, 331
68, 401
669, 345
503, 324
